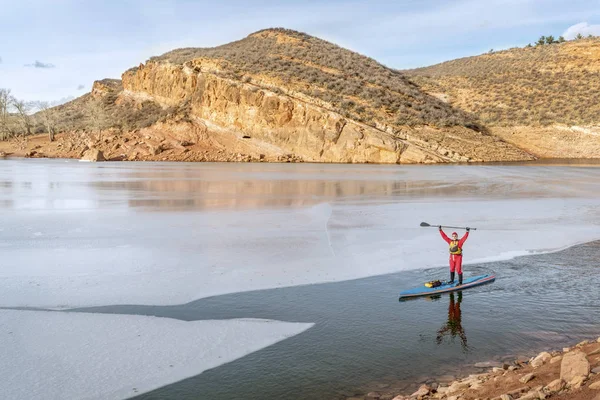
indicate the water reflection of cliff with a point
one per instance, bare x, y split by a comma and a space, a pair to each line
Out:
60, 184
198, 193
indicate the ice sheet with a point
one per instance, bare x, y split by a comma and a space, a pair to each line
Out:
57, 355
104, 235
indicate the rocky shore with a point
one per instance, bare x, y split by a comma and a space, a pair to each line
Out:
572, 373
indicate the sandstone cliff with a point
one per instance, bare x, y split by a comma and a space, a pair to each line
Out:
262, 121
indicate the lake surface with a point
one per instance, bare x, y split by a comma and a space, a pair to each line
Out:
331, 245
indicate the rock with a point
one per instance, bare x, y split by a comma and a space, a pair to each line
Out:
566, 349
399, 397
555, 386
513, 368
93, 155
442, 389
577, 381
373, 395
595, 385
505, 397
533, 395
423, 391
574, 364
598, 340
517, 392
541, 359
2, 154
452, 398
581, 344
596, 370
457, 387
556, 359
497, 369
593, 353
526, 378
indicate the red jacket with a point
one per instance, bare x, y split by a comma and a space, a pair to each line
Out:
460, 242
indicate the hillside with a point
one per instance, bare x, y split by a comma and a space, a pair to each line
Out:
540, 85
276, 94
545, 99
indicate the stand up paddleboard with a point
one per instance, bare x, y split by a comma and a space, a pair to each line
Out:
446, 287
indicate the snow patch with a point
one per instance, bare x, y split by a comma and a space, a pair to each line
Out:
60, 355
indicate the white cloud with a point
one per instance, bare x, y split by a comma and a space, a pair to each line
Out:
582, 28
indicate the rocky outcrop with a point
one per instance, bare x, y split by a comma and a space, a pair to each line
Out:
93, 155
289, 123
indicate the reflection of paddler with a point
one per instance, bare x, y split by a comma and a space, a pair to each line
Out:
453, 325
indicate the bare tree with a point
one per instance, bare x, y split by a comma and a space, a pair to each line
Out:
5, 117
48, 118
22, 109
96, 114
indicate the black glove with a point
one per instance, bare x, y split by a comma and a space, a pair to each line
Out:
468, 229
440, 227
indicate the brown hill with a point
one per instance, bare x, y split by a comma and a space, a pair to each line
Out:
275, 94
540, 85
544, 99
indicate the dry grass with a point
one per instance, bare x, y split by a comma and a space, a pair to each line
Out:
541, 85
354, 85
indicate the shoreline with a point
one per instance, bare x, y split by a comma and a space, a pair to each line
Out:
571, 373
137, 147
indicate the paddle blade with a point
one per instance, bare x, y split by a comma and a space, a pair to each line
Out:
425, 224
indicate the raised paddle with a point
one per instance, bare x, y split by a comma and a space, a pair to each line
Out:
426, 225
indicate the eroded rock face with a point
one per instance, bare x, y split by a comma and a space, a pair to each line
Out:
288, 124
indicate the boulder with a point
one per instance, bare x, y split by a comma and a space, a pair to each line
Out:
555, 386
596, 370
541, 359
574, 364
93, 155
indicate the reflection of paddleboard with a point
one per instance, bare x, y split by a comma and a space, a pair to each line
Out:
446, 287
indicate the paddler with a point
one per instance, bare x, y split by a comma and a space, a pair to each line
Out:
456, 253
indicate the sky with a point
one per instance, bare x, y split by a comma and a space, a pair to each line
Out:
53, 50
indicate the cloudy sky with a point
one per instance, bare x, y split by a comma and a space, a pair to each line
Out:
55, 49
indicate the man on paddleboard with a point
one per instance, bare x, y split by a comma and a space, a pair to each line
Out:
455, 247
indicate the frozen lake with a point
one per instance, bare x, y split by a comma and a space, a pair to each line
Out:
120, 239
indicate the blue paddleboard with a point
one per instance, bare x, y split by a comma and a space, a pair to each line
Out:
446, 288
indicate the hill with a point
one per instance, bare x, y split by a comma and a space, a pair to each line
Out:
537, 86
275, 95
